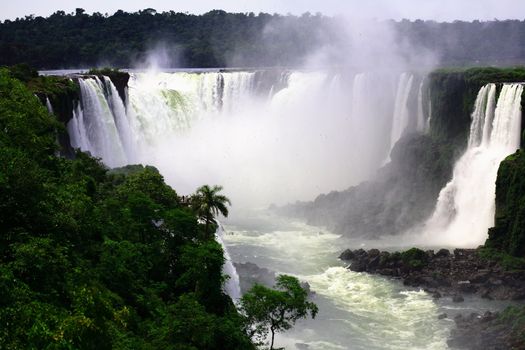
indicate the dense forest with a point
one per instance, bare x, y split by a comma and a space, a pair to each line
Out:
98, 259
220, 39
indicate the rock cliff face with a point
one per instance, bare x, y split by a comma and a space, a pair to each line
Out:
404, 192
508, 234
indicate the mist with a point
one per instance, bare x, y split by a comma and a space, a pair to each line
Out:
287, 134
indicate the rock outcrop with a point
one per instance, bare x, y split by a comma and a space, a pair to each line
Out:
442, 273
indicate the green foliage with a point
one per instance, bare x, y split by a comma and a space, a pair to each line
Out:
414, 257
63, 94
24, 122
219, 39
23, 72
453, 92
515, 317
504, 259
508, 234
92, 259
276, 310
208, 204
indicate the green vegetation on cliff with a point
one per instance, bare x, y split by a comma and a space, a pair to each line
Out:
514, 318
405, 191
92, 259
220, 39
453, 92
508, 234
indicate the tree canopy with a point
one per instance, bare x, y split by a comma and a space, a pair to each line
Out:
99, 259
221, 39
276, 310
208, 204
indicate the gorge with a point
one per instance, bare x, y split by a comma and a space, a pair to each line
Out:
413, 140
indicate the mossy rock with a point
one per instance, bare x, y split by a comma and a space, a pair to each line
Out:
414, 257
508, 234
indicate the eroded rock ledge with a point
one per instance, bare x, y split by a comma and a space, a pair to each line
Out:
442, 273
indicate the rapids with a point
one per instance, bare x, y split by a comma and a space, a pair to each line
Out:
357, 311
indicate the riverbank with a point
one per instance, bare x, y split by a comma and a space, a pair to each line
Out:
455, 275
443, 273
490, 331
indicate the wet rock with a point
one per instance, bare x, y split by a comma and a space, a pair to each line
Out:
443, 273
348, 254
458, 298
487, 332
442, 316
373, 253
251, 274
358, 266
306, 286
373, 263
443, 253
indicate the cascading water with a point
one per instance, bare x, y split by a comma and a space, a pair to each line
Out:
421, 125
231, 127
49, 106
295, 135
93, 127
465, 207
401, 117
400, 120
232, 286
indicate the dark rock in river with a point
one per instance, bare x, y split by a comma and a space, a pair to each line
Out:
251, 274
442, 274
487, 332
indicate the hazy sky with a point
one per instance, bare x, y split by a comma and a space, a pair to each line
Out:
441, 10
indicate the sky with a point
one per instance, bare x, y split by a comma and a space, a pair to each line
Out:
439, 10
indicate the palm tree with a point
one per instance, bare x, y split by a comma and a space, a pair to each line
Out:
208, 204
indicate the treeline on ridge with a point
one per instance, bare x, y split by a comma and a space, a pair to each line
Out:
221, 39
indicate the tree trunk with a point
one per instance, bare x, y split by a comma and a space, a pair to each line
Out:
273, 337
206, 234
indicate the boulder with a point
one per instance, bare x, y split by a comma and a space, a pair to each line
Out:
443, 253
458, 299
348, 254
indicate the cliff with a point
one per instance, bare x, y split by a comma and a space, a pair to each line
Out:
508, 234
404, 192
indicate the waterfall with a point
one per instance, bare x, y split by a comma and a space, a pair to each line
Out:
231, 127
93, 127
121, 120
49, 106
232, 286
421, 123
401, 116
465, 206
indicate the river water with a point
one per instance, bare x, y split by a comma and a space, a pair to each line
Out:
356, 310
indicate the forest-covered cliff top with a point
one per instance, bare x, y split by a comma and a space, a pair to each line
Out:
221, 39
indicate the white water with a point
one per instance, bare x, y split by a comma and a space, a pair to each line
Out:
232, 286
93, 127
315, 133
266, 138
401, 116
356, 310
465, 207
49, 106
421, 122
